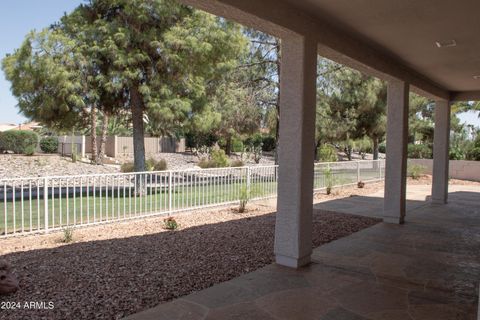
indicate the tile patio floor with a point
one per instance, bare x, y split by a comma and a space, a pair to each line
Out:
427, 269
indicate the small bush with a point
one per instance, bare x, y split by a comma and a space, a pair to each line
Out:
205, 163
237, 145
415, 171
170, 223
219, 158
361, 184
268, 143
67, 235
237, 163
419, 151
160, 165
256, 140
149, 164
327, 153
363, 147
244, 198
18, 141
328, 180
49, 144
382, 148
29, 151
127, 167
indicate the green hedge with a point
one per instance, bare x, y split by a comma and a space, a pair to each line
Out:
49, 144
19, 141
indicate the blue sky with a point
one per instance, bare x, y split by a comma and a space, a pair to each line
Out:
18, 17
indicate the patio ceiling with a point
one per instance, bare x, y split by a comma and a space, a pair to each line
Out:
385, 38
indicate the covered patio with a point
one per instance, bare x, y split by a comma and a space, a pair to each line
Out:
428, 268
423, 261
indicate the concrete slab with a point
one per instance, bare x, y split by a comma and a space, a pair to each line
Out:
428, 268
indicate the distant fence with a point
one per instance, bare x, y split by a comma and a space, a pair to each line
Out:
120, 146
42, 204
458, 169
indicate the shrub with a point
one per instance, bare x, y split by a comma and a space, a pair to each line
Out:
170, 223
237, 163
244, 198
256, 140
149, 164
49, 144
67, 235
361, 184
18, 141
127, 167
473, 154
382, 148
363, 147
219, 158
328, 180
327, 153
160, 165
237, 145
415, 171
419, 151
456, 153
268, 143
29, 151
205, 163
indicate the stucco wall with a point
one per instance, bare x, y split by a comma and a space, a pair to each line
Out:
458, 169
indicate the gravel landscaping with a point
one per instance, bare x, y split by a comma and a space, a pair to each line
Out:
111, 271
17, 166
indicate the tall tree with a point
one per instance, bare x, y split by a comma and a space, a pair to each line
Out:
45, 80
165, 56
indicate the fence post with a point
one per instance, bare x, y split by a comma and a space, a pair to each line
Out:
249, 178
45, 200
170, 191
358, 171
379, 169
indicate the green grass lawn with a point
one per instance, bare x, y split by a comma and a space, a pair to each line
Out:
120, 203
115, 204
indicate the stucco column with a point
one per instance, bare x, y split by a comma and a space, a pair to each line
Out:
396, 163
293, 228
441, 142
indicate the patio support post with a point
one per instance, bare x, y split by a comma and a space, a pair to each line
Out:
396, 163
293, 227
441, 143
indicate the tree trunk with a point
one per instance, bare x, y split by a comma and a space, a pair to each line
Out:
93, 134
375, 148
103, 139
317, 146
136, 101
228, 146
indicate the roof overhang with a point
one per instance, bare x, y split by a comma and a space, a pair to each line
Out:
341, 44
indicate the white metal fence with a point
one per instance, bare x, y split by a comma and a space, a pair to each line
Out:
43, 204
